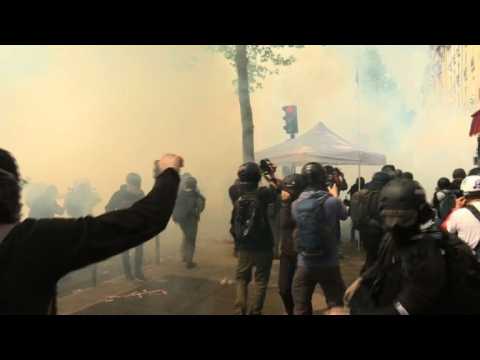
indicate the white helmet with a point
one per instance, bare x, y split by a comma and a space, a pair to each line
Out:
471, 185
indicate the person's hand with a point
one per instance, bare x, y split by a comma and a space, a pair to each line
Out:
167, 161
460, 202
285, 195
351, 290
333, 190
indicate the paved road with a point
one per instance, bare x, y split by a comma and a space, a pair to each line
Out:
173, 290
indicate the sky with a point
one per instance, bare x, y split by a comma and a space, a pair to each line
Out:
99, 112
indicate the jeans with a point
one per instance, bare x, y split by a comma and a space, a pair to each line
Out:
247, 260
305, 281
138, 261
288, 265
189, 230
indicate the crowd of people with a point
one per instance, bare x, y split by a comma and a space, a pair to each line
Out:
421, 257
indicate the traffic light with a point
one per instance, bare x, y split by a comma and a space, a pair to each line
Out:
290, 117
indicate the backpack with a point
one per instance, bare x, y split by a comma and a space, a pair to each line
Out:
446, 204
363, 207
314, 234
463, 274
249, 218
462, 292
185, 207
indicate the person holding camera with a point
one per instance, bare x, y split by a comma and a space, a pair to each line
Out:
35, 254
316, 213
253, 237
292, 187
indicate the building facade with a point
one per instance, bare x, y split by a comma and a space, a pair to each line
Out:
456, 74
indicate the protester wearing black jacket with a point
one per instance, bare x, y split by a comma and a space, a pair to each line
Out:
371, 234
35, 254
255, 250
410, 273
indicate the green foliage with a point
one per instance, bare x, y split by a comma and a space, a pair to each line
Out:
263, 60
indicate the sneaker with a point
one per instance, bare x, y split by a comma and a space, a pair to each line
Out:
191, 265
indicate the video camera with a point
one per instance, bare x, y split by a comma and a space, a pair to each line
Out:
334, 176
268, 170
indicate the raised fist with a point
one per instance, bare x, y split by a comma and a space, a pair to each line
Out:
167, 161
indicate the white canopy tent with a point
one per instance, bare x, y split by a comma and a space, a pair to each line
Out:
321, 145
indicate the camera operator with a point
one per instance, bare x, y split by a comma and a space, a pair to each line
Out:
252, 234
35, 254
316, 213
336, 177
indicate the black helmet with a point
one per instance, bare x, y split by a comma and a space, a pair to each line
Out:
294, 184
314, 174
474, 171
407, 175
403, 204
249, 173
134, 179
443, 183
459, 174
390, 170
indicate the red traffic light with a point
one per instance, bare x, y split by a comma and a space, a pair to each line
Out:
290, 109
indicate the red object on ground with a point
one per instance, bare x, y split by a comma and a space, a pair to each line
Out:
475, 127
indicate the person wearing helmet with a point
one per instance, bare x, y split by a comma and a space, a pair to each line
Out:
292, 187
390, 170
443, 199
188, 208
252, 235
465, 218
316, 213
128, 194
409, 276
366, 217
458, 175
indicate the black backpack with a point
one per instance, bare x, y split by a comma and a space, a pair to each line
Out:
249, 218
446, 204
363, 208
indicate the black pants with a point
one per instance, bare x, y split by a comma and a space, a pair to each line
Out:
288, 265
138, 262
371, 244
189, 230
305, 281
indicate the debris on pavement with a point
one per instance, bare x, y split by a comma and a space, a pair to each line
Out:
136, 294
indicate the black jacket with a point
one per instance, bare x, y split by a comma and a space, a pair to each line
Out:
412, 274
287, 227
264, 241
37, 253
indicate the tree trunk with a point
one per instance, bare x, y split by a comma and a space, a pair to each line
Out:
241, 61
